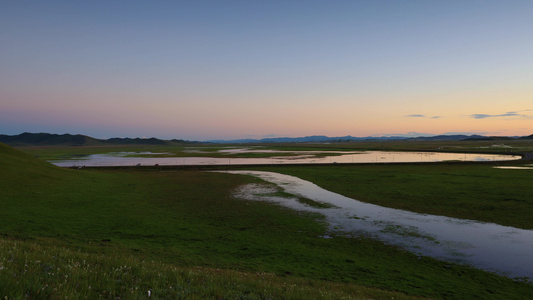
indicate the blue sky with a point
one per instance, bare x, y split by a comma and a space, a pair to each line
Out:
203, 70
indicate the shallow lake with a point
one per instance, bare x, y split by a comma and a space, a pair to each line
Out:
492, 247
308, 157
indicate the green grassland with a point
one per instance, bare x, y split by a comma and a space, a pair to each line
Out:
463, 190
61, 152
181, 234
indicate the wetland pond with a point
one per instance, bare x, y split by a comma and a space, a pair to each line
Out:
295, 157
501, 249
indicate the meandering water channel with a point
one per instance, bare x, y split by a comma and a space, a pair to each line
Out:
501, 249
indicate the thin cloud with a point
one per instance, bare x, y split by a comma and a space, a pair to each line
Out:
511, 114
421, 116
480, 116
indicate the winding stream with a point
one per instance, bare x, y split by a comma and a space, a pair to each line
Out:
492, 247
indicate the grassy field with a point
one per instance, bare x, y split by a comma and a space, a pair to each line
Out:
211, 150
42, 270
67, 233
462, 190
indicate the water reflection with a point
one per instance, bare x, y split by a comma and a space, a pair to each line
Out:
502, 249
308, 157
530, 167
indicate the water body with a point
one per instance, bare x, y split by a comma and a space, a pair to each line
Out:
529, 167
501, 249
307, 157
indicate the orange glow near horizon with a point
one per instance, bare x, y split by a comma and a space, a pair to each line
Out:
359, 70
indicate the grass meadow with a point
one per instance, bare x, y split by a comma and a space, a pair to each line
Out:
138, 234
461, 190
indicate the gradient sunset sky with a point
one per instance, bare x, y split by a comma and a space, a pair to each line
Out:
201, 70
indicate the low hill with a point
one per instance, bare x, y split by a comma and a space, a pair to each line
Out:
12, 159
48, 139
490, 138
325, 139
136, 141
16, 164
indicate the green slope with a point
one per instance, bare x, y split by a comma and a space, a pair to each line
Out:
190, 219
18, 168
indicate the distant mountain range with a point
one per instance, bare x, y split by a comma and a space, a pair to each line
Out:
48, 139
323, 139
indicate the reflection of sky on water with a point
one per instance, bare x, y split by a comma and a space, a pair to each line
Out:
306, 157
527, 167
505, 250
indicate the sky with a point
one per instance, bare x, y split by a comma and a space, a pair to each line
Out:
203, 70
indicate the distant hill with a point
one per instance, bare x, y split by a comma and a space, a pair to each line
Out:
457, 137
325, 139
41, 139
490, 138
136, 141
306, 139
49, 139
